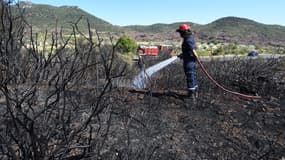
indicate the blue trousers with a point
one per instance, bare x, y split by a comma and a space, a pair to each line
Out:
190, 73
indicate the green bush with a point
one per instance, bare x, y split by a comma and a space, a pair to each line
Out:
126, 44
219, 51
203, 52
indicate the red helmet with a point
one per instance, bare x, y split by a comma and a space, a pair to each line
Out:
183, 27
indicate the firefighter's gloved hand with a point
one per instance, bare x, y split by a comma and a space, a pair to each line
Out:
180, 56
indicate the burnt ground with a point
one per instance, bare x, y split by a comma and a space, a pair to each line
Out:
218, 126
226, 127
155, 125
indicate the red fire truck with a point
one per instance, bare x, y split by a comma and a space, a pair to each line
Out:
148, 50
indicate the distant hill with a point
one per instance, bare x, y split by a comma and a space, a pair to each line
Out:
156, 32
158, 27
229, 29
243, 30
43, 17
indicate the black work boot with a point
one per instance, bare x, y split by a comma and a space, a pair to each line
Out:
193, 94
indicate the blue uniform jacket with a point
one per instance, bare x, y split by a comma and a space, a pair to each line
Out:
188, 46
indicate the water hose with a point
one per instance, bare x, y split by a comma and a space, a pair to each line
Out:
222, 87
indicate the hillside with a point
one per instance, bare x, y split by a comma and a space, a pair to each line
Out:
243, 30
229, 29
158, 27
43, 17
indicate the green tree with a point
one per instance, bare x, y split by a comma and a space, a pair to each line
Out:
126, 44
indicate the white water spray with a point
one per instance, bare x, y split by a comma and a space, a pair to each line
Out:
141, 79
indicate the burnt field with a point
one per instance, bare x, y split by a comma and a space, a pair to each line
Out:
83, 119
219, 126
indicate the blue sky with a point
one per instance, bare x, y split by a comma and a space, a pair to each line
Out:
145, 12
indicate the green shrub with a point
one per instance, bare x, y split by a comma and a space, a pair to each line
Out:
219, 51
126, 44
203, 52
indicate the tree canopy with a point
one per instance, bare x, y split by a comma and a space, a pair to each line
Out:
126, 44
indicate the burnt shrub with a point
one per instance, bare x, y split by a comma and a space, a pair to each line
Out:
245, 75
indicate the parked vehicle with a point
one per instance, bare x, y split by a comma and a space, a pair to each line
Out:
154, 50
252, 53
147, 50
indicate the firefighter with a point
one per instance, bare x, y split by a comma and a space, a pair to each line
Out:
189, 58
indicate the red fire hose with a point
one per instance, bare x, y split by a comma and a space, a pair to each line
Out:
222, 87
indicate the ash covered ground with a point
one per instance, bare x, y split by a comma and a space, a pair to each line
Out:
218, 126
124, 124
